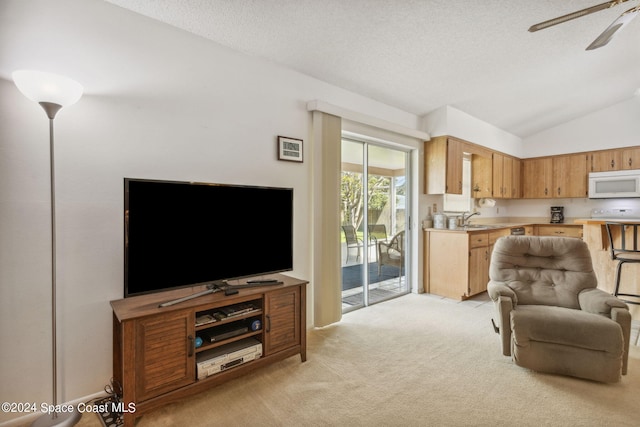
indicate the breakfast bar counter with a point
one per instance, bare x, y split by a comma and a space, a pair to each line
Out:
595, 235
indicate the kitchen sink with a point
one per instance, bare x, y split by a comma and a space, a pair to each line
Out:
481, 227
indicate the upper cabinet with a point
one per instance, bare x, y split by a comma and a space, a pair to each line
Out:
556, 176
516, 188
537, 178
607, 160
507, 183
443, 166
570, 174
630, 158
615, 159
443, 169
498, 175
481, 176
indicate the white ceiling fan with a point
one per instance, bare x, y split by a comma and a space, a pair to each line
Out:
607, 35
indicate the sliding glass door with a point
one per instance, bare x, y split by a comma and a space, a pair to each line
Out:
374, 208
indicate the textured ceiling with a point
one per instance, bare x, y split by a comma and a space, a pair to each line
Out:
419, 55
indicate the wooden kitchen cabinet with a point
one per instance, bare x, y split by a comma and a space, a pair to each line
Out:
559, 230
506, 176
481, 176
615, 159
443, 165
456, 263
606, 160
555, 176
516, 187
537, 177
501, 175
630, 158
478, 263
570, 173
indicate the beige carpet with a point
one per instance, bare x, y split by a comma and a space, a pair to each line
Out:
418, 360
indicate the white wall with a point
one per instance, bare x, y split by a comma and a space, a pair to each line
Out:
448, 120
159, 103
613, 127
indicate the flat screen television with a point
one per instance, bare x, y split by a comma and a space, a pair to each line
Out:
180, 234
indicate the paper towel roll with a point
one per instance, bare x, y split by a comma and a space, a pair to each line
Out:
486, 203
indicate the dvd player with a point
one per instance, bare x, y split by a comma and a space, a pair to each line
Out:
220, 359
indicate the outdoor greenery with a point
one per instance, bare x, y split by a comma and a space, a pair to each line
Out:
352, 196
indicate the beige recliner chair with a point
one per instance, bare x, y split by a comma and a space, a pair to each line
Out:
551, 317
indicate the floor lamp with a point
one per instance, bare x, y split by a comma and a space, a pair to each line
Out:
52, 92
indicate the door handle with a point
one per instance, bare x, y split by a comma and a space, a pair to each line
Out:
190, 346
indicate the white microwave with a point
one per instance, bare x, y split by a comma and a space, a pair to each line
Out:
613, 185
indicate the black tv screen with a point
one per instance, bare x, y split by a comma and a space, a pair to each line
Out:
180, 234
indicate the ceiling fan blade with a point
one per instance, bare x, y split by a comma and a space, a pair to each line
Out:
608, 34
574, 15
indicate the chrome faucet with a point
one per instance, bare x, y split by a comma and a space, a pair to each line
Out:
465, 218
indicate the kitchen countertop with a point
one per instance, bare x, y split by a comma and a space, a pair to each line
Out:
498, 226
602, 221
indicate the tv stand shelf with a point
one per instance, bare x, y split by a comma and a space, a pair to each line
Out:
154, 348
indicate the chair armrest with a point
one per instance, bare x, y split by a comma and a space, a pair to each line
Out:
505, 300
622, 317
597, 301
504, 306
497, 289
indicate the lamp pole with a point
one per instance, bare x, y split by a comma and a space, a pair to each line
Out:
52, 92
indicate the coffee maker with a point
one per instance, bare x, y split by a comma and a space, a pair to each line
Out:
557, 214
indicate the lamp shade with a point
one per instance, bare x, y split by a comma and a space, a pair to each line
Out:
40, 86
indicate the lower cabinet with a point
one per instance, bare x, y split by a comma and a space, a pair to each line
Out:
164, 350
282, 323
155, 353
559, 230
457, 263
478, 263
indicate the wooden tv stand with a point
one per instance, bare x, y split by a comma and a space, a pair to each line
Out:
154, 350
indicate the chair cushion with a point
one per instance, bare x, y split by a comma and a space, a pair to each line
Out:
567, 341
543, 270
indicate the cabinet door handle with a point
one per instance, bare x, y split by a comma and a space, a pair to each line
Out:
558, 191
546, 191
268, 317
190, 345
613, 163
630, 162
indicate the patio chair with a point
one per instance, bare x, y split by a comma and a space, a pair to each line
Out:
377, 233
353, 241
391, 253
